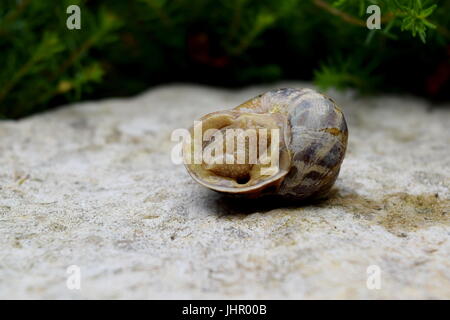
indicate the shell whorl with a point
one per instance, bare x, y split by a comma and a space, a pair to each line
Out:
317, 140
318, 143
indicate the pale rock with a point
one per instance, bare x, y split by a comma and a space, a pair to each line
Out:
93, 185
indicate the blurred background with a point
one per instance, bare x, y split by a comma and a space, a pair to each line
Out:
125, 47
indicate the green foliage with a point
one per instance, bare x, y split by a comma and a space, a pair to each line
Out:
352, 72
415, 18
409, 15
42, 59
125, 46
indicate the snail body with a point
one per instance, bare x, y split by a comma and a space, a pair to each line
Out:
309, 132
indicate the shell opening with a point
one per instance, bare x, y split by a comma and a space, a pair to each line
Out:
238, 152
243, 179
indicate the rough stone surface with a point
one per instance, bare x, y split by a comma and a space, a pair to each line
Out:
92, 185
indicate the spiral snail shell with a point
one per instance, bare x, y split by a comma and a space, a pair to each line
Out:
310, 134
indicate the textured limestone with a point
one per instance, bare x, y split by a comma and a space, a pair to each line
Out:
92, 185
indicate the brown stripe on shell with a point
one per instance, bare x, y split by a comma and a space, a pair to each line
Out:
333, 157
308, 153
313, 175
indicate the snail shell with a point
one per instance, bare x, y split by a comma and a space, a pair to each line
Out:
312, 142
